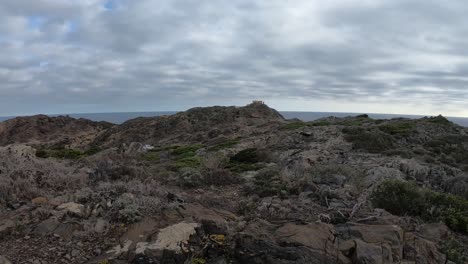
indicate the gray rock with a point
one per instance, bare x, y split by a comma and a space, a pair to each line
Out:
101, 226
72, 208
4, 260
6, 226
47, 226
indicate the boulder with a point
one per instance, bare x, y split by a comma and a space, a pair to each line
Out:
414, 170
6, 225
72, 208
39, 200
421, 250
4, 260
381, 235
367, 253
436, 232
172, 238
317, 237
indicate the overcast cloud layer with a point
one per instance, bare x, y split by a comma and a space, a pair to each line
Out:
395, 56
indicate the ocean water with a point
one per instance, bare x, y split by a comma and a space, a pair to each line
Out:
118, 118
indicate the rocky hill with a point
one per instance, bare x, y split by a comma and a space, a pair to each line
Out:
237, 185
196, 124
42, 129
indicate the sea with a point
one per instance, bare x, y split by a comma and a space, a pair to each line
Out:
118, 118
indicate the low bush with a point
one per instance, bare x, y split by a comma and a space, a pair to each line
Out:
250, 155
399, 129
373, 141
403, 198
439, 120
455, 251
294, 125
267, 182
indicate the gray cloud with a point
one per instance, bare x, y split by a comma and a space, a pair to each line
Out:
380, 56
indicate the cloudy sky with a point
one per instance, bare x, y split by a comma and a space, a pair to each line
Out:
395, 56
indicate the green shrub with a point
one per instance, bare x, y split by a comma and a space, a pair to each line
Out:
370, 140
398, 129
249, 155
439, 120
61, 153
267, 182
40, 153
403, 198
150, 156
319, 123
92, 151
294, 125
455, 251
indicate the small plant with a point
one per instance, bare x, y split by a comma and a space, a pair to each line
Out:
198, 261
249, 155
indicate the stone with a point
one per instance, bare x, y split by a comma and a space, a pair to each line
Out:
436, 232
6, 225
4, 260
370, 254
318, 237
39, 200
391, 235
174, 238
101, 226
72, 208
421, 250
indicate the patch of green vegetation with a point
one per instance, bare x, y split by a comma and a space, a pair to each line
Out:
404, 198
454, 251
372, 141
398, 129
356, 121
319, 123
250, 155
186, 151
60, 153
294, 125
439, 120
267, 182
92, 151
452, 148
188, 162
224, 145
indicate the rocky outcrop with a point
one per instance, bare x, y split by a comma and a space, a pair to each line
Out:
55, 131
196, 124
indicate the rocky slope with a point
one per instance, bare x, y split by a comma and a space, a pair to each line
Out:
195, 125
240, 185
42, 129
